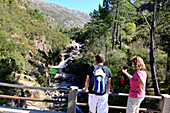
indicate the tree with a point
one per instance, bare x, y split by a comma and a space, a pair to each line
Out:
152, 62
98, 28
163, 31
152, 37
119, 10
115, 4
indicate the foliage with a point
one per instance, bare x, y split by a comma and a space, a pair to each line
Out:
129, 28
26, 41
7, 66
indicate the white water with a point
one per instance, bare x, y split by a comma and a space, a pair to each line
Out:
61, 64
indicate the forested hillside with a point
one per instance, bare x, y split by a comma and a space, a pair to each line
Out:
28, 42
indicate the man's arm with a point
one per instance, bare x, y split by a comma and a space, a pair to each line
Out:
87, 83
108, 85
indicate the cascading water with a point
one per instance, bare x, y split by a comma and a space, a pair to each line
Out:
64, 79
61, 64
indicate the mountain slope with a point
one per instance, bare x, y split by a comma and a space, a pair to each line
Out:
64, 17
28, 42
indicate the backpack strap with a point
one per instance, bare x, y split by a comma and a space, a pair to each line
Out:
95, 66
103, 67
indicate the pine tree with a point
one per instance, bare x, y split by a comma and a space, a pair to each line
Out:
152, 37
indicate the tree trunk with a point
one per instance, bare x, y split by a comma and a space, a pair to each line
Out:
152, 62
114, 28
152, 36
117, 34
113, 35
120, 38
168, 66
168, 59
105, 44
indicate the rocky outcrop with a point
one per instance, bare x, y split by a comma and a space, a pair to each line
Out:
40, 94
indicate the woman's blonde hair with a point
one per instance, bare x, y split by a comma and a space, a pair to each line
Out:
138, 63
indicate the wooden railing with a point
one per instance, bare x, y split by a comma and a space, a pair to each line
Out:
124, 108
164, 104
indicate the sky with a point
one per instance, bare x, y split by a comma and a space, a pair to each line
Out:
86, 6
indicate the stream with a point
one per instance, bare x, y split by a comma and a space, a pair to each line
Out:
61, 77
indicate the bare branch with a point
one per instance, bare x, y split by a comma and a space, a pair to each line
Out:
141, 13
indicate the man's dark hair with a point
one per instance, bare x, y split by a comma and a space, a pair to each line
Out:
100, 58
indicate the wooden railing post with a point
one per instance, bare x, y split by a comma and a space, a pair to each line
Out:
165, 103
72, 100
22, 101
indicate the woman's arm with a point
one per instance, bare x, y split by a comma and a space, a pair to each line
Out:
126, 73
139, 88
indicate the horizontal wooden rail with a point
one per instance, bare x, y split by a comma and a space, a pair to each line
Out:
7, 109
125, 94
121, 107
141, 109
147, 96
31, 99
64, 89
30, 87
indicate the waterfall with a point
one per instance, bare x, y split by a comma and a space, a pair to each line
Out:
63, 78
61, 64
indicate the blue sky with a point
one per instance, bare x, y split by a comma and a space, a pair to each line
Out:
82, 5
